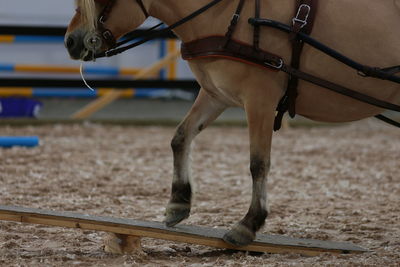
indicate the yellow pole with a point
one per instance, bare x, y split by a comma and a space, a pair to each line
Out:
64, 69
7, 38
173, 64
16, 91
113, 95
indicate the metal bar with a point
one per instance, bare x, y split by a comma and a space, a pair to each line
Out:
139, 93
172, 67
113, 71
30, 39
117, 84
54, 31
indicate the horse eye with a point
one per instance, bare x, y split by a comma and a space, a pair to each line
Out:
78, 10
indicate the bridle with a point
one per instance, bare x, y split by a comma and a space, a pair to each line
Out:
105, 33
115, 47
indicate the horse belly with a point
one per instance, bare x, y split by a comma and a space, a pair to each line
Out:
364, 31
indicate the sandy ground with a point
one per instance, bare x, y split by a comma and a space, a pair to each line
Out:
339, 183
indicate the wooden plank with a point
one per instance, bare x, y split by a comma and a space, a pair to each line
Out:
182, 233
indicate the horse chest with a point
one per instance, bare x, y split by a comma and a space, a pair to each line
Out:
217, 82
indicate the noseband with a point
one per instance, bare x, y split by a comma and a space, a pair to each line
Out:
105, 33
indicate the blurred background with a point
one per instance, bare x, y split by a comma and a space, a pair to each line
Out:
39, 80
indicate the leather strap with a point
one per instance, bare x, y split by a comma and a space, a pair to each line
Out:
105, 13
340, 89
234, 21
257, 28
105, 33
140, 2
150, 35
388, 120
213, 47
303, 21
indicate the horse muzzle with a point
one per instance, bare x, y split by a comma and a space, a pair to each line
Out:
82, 46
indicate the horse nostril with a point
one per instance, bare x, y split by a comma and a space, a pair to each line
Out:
70, 42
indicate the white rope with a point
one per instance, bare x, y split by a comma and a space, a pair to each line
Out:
83, 78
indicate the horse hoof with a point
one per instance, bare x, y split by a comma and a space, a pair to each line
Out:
239, 236
122, 244
175, 213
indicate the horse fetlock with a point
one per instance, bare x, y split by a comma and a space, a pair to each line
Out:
255, 220
176, 212
259, 167
240, 235
181, 193
244, 232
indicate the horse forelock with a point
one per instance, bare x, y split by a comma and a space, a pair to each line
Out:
88, 13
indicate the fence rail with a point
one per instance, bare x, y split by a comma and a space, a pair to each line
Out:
115, 83
89, 70
115, 88
138, 93
58, 31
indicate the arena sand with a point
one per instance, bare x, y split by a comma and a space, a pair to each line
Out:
332, 183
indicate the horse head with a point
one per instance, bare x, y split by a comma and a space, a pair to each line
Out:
97, 24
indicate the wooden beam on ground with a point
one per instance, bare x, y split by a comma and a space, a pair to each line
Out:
182, 233
113, 95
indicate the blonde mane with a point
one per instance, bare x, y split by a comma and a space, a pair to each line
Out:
88, 13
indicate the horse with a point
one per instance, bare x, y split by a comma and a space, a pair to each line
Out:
362, 29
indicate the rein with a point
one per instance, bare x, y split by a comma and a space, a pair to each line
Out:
225, 47
149, 35
146, 14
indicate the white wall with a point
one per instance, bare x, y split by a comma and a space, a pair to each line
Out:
58, 13
36, 12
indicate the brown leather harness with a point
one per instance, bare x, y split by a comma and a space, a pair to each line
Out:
303, 20
226, 47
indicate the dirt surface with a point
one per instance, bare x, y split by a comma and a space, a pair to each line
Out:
340, 183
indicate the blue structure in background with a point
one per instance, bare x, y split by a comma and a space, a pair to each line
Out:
13, 107
25, 141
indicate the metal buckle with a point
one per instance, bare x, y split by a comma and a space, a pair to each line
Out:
302, 21
102, 19
362, 74
275, 65
107, 35
235, 18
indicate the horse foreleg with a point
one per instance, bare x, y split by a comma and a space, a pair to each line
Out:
204, 111
260, 120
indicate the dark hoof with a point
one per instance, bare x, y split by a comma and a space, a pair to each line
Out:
176, 213
239, 236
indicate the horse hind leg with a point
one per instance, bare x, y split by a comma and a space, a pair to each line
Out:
204, 111
260, 128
